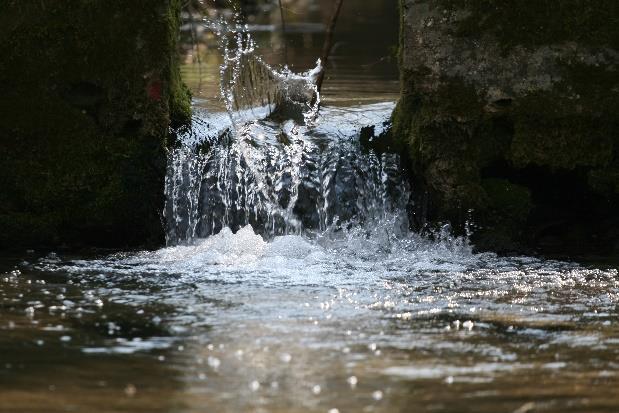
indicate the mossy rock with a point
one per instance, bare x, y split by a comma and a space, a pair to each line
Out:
508, 109
90, 90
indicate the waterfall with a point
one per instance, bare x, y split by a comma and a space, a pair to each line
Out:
273, 161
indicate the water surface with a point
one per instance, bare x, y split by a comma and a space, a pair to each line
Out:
291, 282
350, 321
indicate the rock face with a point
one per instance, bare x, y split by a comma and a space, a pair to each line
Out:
509, 115
89, 91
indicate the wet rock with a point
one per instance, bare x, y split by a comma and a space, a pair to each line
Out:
89, 91
508, 115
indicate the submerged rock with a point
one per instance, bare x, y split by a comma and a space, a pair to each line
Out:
89, 91
509, 116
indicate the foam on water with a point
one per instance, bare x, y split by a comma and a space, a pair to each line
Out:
291, 282
282, 178
287, 320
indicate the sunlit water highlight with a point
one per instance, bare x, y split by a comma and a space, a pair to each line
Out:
291, 283
357, 315
358, 320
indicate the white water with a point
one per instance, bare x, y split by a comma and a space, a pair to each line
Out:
291, 283
282, 177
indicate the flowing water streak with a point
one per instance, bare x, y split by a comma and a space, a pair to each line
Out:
249, 85
283, 178
275, 163
355, 314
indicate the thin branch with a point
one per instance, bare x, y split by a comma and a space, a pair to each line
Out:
328, 45
195, 43
281, 12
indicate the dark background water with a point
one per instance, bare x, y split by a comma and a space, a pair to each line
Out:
363, 63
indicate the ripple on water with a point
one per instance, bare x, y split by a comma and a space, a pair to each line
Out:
366, 316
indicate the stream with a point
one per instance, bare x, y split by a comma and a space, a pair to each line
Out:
291, 282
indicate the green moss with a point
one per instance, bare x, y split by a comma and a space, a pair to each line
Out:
561, 143
466, 152
501, 222
448, 138
530, 24
605, 180
572, 125
89, 91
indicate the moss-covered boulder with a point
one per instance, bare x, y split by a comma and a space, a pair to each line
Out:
89, 89
509, 116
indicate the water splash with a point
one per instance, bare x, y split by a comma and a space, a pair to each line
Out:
249, 85
283, 178
268, 164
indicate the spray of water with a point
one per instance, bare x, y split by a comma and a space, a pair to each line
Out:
250, 86
284, 178
275, 162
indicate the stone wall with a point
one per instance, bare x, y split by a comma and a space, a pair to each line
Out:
89, 91
509, 116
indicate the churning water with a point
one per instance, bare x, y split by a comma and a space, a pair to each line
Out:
291, 283
282, 178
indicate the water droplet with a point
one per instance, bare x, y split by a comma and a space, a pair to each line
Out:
130, 390
285, 358
254, 385
352, 381
377, 395
316, 389
213, 362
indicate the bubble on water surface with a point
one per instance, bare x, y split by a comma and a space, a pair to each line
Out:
254, 386
352, 382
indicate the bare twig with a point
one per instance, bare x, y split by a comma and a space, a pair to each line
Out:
281, 12
194, 42
328, 45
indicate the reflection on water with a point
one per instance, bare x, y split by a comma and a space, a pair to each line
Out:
337, 308
340, 318
347, 321
362, 69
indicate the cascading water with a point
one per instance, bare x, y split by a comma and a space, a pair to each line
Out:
280, 176
334, 306
284, 178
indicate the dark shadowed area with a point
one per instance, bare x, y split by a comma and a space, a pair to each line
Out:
290, 280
